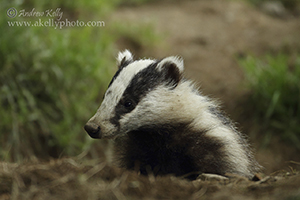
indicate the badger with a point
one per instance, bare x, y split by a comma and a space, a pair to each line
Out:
161, 124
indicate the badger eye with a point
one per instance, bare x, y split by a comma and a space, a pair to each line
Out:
128, 104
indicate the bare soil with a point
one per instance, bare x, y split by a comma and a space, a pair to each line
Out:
210, 36
71, 179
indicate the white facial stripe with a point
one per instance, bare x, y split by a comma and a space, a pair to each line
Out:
116, 90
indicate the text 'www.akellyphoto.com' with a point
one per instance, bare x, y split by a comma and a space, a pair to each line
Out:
56, 24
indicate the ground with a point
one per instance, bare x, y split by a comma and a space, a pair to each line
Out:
72, 179
210, 36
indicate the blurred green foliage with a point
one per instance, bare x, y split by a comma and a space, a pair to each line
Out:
52, 80
275, 85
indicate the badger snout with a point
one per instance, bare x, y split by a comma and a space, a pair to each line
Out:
93, 130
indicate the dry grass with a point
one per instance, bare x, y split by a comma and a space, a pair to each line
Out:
72, 179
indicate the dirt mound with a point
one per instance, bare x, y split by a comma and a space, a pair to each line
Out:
72, 179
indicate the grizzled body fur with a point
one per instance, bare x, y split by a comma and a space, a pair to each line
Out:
162, 124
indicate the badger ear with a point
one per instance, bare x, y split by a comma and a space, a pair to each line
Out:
124, 58
172, 69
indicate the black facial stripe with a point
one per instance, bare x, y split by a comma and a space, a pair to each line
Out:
123, 64
141, 84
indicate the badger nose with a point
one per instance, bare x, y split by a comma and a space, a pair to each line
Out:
92, 129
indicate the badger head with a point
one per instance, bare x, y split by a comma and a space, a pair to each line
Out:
138, 95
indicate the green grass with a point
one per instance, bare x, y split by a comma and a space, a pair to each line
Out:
275, 85
52, 80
